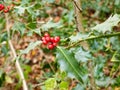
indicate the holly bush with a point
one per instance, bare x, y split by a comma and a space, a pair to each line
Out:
84, 58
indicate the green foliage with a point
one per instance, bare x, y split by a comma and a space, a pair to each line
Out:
38, 16
108, 25
81, 55
77, 37
50, 25
117, 81
50, 84
78, 87
63, 85
19, 10
2, 77
27, 70
69, 64
20, 27
4, 49
3, 37
59, 82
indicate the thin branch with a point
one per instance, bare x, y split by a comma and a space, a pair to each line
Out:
78, 19
78, 15
91, 71
15, 55
79, 8
37, 85
51, 67
93, 37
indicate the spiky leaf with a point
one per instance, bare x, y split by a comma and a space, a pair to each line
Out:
69, 64
81, 55
20, 27
51, 24
108, 24
77, 37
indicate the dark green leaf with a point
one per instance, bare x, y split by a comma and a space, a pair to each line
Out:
4, 49
2, 77
32, 25
69, 64
37, 31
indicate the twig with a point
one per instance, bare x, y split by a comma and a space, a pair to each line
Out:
36, 85
92, 80
93, 37
79, 8
15, 55
78, 19
78, 15
51, 67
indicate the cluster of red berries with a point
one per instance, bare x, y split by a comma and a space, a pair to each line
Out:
4, 9
51, 42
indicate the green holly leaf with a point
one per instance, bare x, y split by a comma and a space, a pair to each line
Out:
37, 31
108, 24
31, 46
19, 10
82, 55
69, 64
31, 12
32, 25
77, 37
20, 27
104, 81
25, 2
4, 49
3, 37
78, 87
50, 24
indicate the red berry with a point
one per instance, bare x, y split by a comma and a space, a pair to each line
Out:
54, 44
2, 7
52, 39
50, 46
47, 39
43, 38
57, 39
6, 10
44, 42
46, 35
